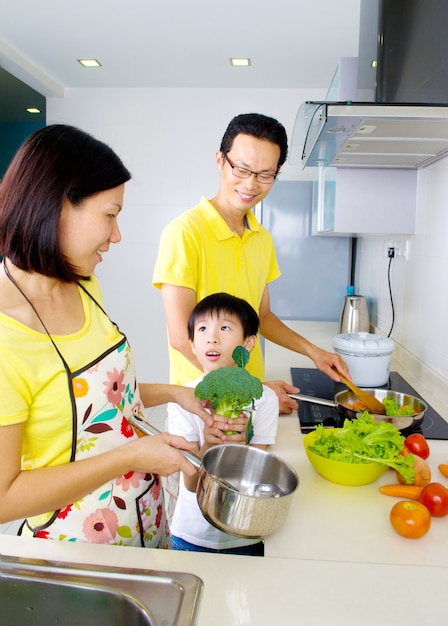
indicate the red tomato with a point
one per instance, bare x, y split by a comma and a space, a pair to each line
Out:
410, 519
435, 497
418, 445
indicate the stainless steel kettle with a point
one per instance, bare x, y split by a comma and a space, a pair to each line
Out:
354, 315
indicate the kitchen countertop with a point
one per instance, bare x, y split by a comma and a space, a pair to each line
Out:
335, 561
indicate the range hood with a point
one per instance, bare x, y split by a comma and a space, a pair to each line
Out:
369, 134
388, 107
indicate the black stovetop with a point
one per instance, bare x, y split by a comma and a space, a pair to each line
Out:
312, 382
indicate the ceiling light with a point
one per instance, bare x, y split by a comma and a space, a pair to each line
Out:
240, 61
89, 62
33, 110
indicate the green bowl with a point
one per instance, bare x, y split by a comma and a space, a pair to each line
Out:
351, 474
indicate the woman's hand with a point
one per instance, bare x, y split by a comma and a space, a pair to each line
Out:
154, 394
187, 400
160, 454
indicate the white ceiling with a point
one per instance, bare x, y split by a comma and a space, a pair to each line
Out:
176, 43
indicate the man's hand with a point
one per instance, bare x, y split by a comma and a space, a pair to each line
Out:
330, 364
286, 404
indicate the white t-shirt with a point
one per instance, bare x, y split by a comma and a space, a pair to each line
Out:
188, 522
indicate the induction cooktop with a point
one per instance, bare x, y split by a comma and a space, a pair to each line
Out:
313, 382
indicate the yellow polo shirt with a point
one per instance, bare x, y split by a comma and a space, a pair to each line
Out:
34, 383
198, 250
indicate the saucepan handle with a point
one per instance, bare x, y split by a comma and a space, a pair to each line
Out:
325, 401
148, 429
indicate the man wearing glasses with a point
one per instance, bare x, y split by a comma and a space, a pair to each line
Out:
219, 246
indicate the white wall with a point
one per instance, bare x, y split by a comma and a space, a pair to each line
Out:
419, 285
168, 139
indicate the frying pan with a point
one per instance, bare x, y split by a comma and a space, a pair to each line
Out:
342, 398
242, 490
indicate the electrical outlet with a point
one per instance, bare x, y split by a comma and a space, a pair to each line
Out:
400, 246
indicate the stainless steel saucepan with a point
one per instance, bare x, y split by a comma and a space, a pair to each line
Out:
347, 397
242, 490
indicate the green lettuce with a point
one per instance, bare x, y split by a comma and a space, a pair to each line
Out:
364, 440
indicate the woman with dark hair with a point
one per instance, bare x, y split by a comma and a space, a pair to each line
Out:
72, 465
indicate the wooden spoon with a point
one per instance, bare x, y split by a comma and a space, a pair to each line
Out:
373, 405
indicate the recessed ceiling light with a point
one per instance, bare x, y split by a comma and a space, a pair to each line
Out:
240, 61
89, 62
33, 110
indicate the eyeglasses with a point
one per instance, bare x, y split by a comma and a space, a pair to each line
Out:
243, 172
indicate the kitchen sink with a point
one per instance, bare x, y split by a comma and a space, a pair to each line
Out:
48, 592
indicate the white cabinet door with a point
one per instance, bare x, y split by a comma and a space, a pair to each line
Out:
363, 201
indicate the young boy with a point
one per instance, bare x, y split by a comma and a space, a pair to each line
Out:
218, 324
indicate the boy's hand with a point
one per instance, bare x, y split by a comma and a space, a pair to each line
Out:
215, 434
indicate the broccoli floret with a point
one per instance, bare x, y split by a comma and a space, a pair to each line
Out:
231, 389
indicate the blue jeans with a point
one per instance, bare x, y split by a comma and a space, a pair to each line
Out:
253, 549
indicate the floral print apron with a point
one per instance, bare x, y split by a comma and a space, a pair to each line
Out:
130, 509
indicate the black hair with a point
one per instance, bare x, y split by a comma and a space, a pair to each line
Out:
259, 126
217, 303
55, 163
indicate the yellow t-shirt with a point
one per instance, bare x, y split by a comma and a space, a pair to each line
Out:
198, 250
34, 383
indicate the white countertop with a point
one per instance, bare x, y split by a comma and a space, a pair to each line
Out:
336, 561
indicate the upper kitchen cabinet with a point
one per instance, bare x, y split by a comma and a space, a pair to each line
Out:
351, 201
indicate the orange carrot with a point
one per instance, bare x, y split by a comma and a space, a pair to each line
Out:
443, 467
411, 492
406, 407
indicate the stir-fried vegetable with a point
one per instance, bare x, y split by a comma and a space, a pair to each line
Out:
394, 409
365, 441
